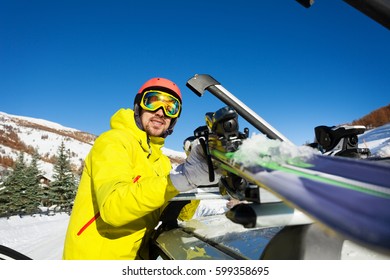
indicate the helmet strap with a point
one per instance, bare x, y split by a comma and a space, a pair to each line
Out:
137, 116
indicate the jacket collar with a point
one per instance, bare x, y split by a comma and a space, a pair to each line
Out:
124, 119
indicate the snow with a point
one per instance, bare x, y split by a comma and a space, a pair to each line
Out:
274, 150
41, 237
39, 121
173, 153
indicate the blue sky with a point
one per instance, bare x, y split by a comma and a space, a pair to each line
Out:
78, 62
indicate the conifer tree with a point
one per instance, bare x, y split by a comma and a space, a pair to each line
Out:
14, 189
15, 184
63, 188
4, 198
20, 192
33, 189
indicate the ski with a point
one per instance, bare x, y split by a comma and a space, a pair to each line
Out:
359, 210
348, 196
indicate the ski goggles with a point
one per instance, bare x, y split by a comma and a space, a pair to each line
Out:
153, 100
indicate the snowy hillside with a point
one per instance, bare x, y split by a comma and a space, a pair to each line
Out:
29, 135
41, 237
377, 140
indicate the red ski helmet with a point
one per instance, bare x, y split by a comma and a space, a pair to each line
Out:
160, 84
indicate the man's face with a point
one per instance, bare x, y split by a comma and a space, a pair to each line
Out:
155, 123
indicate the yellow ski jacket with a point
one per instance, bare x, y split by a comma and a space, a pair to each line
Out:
123, 190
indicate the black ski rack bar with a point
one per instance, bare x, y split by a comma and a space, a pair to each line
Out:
202, 82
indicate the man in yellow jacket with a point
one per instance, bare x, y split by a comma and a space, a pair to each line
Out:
127, 181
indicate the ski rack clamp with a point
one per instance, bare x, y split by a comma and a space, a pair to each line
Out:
201, 82
221, 132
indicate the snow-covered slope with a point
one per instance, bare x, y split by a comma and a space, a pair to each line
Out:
377, 140
30, 135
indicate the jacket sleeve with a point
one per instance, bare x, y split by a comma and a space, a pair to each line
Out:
119, 196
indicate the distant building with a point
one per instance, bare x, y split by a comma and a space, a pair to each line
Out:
44, 180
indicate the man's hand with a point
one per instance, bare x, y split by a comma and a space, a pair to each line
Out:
194, 171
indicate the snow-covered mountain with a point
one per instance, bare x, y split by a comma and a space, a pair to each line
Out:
30, 135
